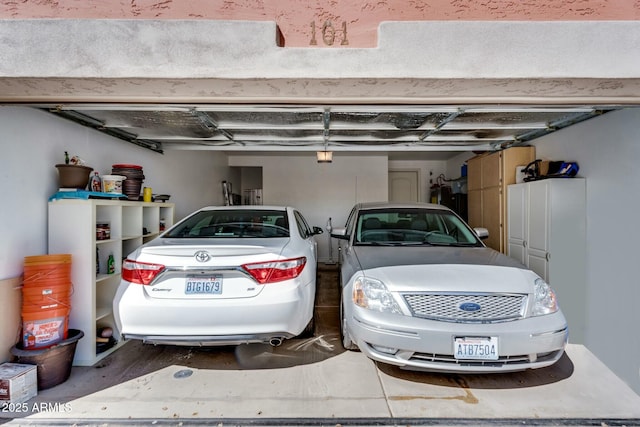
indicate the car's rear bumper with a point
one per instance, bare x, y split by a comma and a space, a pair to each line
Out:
273, 338
421, 344
280, 312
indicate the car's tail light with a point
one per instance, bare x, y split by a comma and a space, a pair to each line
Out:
276, 271
141, 273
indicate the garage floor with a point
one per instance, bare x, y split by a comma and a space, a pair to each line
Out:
315, 382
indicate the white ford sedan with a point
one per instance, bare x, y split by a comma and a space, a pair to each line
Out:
421, 291
222, 276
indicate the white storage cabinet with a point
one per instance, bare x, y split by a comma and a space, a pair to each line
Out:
547, 233
72, 229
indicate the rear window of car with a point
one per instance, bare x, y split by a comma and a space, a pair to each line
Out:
238, 223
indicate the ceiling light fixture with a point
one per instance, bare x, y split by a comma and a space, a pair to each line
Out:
324, 156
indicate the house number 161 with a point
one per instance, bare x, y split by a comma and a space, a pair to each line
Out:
329, 34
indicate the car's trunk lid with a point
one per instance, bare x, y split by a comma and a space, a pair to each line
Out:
207, 268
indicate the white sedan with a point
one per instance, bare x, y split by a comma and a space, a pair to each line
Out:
222, 276
421, 291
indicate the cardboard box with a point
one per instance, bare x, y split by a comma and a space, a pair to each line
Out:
18, 382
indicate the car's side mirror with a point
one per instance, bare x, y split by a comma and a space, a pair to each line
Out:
317, 230
340, 233
481, 232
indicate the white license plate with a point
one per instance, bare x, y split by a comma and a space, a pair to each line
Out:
476, 348
211, 285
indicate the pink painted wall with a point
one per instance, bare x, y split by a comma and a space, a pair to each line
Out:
331, 24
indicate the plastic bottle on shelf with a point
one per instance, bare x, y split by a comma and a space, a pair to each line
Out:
96, 182
111, 268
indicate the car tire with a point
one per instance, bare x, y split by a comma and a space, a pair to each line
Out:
344, 334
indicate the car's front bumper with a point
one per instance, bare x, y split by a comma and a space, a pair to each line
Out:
421, 344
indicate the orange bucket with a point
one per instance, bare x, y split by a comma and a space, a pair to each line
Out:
41, 295
46, 293
45, 300
47, 259
45, 327
32, 276
48, 283
55, 267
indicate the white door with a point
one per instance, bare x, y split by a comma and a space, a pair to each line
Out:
517, 207
403, 186
538, 234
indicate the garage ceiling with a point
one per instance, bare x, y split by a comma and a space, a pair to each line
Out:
349, 128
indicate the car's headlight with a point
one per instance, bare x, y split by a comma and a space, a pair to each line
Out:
545, 299
374, 295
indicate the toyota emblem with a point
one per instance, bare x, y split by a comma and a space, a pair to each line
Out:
202, 256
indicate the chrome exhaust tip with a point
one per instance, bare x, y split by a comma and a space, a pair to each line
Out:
275, 341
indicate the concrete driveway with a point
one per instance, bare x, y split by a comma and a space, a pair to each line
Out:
315, 382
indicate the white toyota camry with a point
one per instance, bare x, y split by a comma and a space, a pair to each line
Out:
222, 276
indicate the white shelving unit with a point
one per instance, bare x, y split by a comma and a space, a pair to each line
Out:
72, 229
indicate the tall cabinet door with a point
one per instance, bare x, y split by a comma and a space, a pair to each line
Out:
474, 198
538, 229
492, 216
517, 200
492, 200
554, 241
474, 193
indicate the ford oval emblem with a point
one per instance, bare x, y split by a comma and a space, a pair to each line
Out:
470, 306
202, 256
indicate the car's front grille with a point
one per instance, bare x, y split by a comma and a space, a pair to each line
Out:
467, 307
503, 360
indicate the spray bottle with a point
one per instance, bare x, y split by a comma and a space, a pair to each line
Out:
96, 183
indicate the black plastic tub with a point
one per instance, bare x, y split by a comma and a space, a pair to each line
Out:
54, 363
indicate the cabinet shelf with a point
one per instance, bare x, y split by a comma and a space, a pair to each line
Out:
106, 241
72, 229
102, 312
104, 277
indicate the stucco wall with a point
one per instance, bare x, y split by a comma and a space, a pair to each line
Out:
335, 24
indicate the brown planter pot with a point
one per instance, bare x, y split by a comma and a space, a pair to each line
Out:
73, 176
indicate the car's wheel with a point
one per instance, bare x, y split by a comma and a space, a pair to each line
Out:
344, 333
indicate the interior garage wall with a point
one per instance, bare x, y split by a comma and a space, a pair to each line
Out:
32, 143
429, 171
320, 190
607, 151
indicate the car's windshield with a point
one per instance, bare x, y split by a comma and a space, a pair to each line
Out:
412, 226
233, 223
